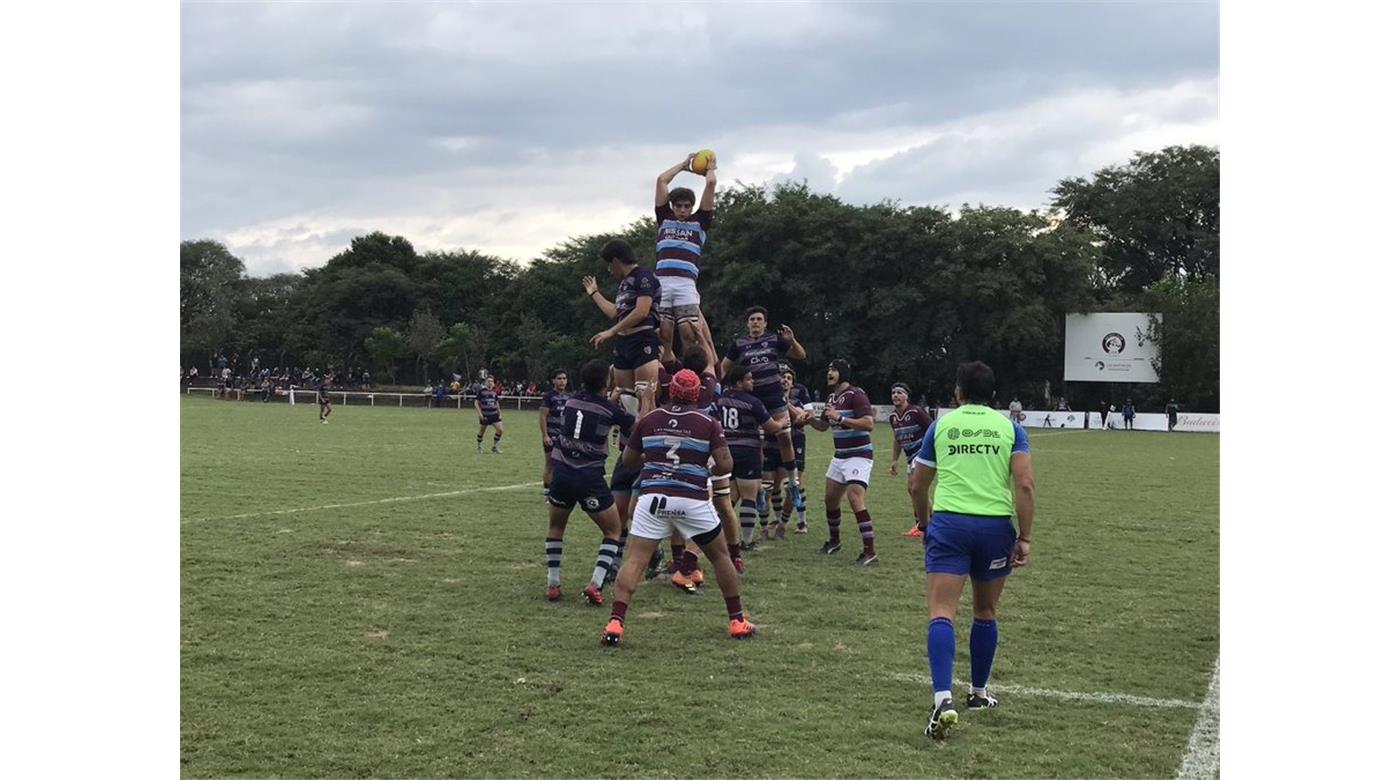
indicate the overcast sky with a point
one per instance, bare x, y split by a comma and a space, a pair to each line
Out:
508, 128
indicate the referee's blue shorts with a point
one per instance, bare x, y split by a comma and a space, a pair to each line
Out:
974, 545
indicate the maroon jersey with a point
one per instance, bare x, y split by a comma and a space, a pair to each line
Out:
676, 442
850, 443
679, 242
909, 427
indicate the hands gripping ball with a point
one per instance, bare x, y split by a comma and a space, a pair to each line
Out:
702, 161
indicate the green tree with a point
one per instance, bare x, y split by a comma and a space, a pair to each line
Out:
385, 347
210, 286
463, 349
425, 332
1188, 337
1158, 217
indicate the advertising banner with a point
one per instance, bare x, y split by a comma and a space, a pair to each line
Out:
1109, 347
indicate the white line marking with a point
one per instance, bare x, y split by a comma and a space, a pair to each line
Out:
1098, 697
1202, 759
394, 500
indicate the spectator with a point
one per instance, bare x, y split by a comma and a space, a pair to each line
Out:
1128, 414
1172, 410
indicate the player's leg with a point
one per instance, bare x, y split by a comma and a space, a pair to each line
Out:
496, 440
943, 593
913, 532
648, 529
480, 432
704, 327
729, 521
559, 509
835, 491
857, 473
748, 511
982, 640
548, 466
607, 520
644, 381
668, 334
703, 527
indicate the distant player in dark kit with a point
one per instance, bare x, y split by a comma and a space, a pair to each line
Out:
488, 412
680, 238
849, 417
672, 445
909, 423
636, 347
1173, 409
551, 409
762, 351
580, 453
323, 399
1128, 414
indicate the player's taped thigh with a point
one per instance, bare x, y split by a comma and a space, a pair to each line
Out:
687, 314
629, 402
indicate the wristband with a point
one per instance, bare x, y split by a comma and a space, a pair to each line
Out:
1023, 539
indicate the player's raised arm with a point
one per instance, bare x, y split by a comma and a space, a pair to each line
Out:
795, 350
590, 286
707, 198
663, 181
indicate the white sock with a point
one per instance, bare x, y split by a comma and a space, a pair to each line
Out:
979, 691
941, 696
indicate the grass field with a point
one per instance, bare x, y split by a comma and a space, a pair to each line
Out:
367, 598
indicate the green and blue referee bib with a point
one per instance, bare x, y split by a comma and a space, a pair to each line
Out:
971, 447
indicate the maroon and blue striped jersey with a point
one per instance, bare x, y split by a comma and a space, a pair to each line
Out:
850, 443
680, 241
676, 442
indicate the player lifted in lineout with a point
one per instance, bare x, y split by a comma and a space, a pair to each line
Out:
680, 238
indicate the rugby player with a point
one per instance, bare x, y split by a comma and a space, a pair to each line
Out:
909, 422
671, 445
323, 399
850, 418
579, 455
488, 412
762, 351
982, 462
684, 568
680, 237
745, 420
551, 406
636, 350
797, 398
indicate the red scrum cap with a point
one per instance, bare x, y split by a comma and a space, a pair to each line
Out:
685, 386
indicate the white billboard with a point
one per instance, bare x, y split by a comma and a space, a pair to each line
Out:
1109, 347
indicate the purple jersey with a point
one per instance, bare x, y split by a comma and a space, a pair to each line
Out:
761, 355
585, 424
638, 283
553, 401
679, 242
850, 443
742, 415
909, 427
490, 402
676, 442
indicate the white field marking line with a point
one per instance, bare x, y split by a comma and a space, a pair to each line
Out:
1096, 697
393, 500
1202, 759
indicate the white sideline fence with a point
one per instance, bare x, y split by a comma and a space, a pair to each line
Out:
359, 398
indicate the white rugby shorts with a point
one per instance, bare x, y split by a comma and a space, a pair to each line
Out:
847, 470
655, 516
678, 291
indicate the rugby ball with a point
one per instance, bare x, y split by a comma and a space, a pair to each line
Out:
702, 161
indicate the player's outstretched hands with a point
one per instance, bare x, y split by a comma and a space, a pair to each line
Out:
590, 285
785, 331
1022, 555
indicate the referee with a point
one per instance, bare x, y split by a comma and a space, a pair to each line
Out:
983, 464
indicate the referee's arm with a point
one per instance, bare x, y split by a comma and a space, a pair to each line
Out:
1023, 490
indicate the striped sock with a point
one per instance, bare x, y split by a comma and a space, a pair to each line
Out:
833, 524
763, 502
748, 515
607, 553
780, 510
553, 554
867, 530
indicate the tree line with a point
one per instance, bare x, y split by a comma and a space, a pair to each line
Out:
905, 293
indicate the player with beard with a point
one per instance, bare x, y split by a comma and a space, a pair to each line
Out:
908, 421
849, 417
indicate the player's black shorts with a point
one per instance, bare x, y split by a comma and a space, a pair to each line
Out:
489, 418
748, 464
630, 352
625, 480
772, 454
774, 402
585, 487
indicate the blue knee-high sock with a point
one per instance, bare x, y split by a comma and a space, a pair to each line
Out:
941, 647
982, 644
